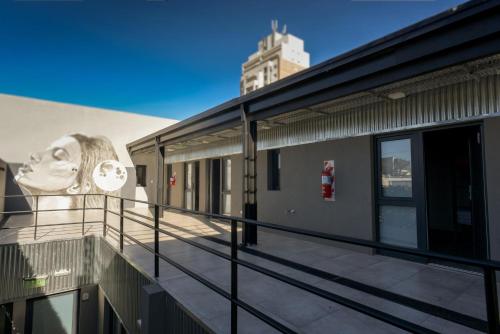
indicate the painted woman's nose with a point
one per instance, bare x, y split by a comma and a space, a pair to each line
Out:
35, 157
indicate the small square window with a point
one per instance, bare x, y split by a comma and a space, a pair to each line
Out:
140, 174
273, 169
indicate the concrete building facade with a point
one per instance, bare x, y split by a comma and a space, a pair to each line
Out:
278, 56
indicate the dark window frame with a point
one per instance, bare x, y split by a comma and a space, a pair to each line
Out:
76, 309
141, 175
274, 170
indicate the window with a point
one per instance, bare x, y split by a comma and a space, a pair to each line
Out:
273, 169
226, 186
397, 208
53, 314
396, 168
140, 174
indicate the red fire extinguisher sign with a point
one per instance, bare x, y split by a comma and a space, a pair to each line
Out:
328, 180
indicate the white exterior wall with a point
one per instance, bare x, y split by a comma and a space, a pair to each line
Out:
29, 125
293, 51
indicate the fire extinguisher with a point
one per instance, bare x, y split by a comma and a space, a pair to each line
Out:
326, 183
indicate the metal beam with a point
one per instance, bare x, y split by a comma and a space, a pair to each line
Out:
159, 179
249, 142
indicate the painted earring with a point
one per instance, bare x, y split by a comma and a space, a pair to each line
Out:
74, 189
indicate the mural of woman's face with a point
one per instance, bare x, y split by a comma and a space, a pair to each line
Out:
54, 169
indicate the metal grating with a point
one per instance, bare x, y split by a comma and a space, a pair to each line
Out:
66, 264
459, 102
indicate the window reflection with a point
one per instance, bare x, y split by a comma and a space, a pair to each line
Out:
396, 168
398, 225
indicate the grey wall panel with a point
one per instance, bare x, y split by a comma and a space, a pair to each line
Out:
301, 166
237, 185
492, 166
179, 320
88, 310
204, 187
177, 191
122, 285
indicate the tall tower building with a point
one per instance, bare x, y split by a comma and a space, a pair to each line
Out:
279, 55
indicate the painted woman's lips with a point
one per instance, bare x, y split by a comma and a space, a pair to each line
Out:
22, 171
25, 169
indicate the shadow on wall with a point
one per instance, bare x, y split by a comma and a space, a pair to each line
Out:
12, 188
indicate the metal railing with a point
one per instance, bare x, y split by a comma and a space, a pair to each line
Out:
36, 210
488, 267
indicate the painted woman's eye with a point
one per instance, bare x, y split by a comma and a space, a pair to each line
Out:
60, 154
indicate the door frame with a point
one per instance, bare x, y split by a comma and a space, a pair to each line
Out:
419, 189
211, 185
221, 181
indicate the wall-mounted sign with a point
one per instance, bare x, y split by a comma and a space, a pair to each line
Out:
38, 281
328, 180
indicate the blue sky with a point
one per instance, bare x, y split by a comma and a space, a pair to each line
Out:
172, 58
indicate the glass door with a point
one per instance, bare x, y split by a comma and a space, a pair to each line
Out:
396, 195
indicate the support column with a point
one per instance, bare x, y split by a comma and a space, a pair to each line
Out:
249, 142
159, 180
153, 307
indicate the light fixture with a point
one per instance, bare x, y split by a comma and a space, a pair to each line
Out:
396, 95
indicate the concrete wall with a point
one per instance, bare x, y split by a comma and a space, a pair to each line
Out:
177, 191
492, 166
236, 185
351, 213
149, 160
30, 125
204, 185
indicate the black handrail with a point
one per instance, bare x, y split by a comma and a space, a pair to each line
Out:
487, 266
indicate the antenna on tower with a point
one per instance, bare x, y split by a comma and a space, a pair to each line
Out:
283, 31
274, 25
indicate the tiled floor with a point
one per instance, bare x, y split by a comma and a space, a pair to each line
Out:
302, 311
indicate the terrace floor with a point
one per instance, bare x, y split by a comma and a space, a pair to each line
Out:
454, 289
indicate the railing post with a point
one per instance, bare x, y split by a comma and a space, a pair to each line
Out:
490, 288
157, 240
234, 277
83, 215
105, 218
36, 215
121, 225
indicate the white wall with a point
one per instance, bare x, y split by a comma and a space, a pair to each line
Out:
30, 125
3, 172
